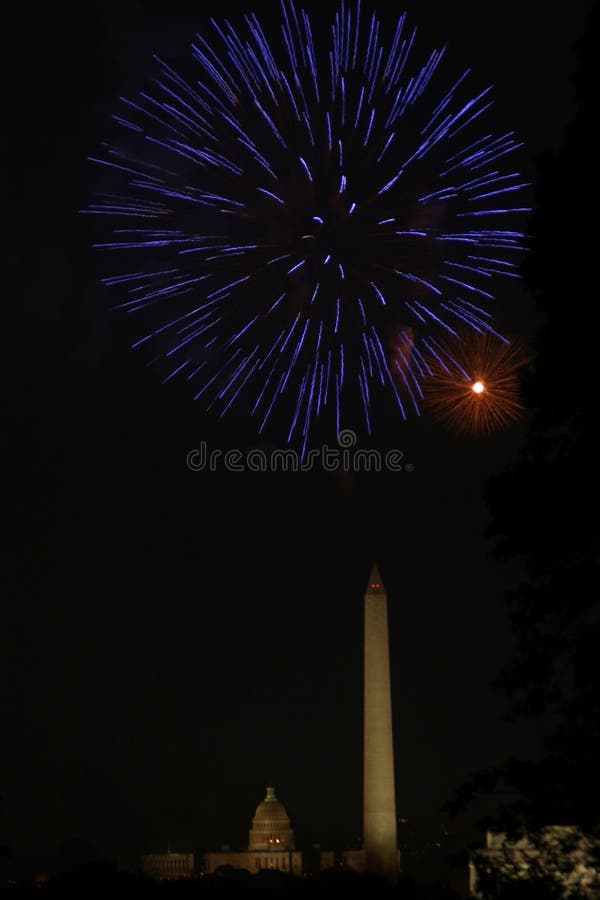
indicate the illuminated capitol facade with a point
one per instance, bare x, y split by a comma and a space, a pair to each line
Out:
270, 846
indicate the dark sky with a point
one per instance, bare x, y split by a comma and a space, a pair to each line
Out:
174, 641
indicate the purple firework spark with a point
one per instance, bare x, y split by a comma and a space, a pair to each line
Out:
285, 207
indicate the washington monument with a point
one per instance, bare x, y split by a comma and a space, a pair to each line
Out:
380, 841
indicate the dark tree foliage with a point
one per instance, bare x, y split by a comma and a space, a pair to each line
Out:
545, 508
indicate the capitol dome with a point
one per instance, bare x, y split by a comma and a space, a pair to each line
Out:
271, 827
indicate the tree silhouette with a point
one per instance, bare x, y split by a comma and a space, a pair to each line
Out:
545, 506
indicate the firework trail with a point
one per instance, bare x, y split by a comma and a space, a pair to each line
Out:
297, 220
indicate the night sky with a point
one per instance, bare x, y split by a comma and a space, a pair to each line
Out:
174, 641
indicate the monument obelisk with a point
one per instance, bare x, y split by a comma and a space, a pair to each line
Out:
380, 842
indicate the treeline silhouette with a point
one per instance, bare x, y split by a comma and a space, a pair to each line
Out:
103, 878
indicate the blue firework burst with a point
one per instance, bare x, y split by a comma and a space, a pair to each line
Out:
300, 221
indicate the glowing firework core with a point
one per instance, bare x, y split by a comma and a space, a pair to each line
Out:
482, 406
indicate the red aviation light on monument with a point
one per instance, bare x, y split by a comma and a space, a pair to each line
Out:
375, 584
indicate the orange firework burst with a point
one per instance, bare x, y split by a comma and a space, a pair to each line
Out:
474, 385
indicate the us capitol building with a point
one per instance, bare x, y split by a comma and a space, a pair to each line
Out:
271, 843
270, 846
